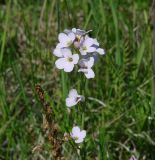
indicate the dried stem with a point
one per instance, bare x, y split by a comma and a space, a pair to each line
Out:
50, 126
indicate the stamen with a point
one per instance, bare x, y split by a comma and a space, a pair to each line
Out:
84, 48
78, 38
70, 59
76, 138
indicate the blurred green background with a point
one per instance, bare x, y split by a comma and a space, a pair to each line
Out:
125, 126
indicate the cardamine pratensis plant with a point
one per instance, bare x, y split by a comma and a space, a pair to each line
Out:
75, 47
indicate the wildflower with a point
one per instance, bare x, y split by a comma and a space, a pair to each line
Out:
78, 135
133, 158
73, 98
66, 60
86, 65
65, 39
87, 47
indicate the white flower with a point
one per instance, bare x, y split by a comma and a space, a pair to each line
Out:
73, 98
78, 135
86, 65
65, 39
87, 47
66, 60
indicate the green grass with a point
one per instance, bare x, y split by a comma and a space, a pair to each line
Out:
123, 81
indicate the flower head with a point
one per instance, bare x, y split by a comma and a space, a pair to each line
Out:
78, 135
73, 98
85, 49
66, 60
85, 67
87, 46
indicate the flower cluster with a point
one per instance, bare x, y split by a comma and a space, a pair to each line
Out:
75, 47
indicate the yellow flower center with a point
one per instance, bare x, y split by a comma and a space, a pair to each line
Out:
84, 48
78, 38
70, 59
76, 138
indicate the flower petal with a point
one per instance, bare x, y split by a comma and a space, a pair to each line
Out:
96, 42
90, 63
83, 52
77, 44
60, 63
70, 102
68, 66
73, 93
71, 36
63, 37
91, 49
82, 134
75, 131
60, 45
100, 51
88, 42
90, 73
64, 40
74, 30
75, 58
66, 52
79, 140
82, 70
57, 52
